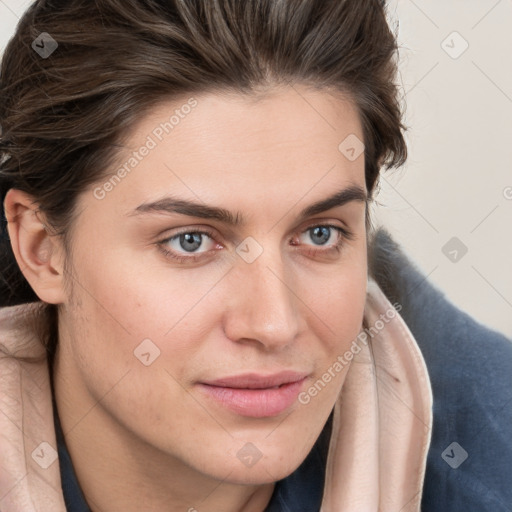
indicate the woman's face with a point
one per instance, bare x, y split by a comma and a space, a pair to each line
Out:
202, 277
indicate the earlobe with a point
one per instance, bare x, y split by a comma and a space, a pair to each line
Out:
39, 254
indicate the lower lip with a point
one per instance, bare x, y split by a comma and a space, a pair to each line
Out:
255, 403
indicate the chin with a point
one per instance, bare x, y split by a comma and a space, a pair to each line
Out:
265, 471
258, 463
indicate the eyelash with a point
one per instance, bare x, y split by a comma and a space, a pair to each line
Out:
345, 236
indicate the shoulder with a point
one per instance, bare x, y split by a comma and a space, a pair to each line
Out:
470, 367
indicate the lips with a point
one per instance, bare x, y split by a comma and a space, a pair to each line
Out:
255, 381
255, 395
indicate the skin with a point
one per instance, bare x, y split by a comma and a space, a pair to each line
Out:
146, 437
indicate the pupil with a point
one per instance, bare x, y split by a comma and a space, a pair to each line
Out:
190, 241
322, 232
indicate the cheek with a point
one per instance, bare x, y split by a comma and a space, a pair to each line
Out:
126, 315
338, 300
340, 304
149, 322
140, 298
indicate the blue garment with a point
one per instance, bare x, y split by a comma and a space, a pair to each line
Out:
73, 497
469, 465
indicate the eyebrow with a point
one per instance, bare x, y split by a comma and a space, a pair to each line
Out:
170, 205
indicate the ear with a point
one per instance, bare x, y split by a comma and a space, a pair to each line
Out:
39, 253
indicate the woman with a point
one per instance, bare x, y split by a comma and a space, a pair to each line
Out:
186, 186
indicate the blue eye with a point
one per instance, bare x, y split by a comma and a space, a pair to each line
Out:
188, 241
192, 246
320, 233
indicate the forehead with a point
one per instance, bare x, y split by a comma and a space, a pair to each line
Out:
227, 120
220, 147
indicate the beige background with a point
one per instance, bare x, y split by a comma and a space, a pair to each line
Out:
456, 77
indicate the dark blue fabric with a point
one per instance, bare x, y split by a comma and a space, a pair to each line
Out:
470, 368
73, 497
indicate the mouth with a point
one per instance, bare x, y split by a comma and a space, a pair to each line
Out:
255, 396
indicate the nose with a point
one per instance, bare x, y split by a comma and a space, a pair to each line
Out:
262, 306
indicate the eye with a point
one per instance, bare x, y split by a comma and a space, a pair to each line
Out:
325, 235
320, 234
191, 246
185, 246
189, 242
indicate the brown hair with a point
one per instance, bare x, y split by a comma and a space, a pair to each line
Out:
64, 116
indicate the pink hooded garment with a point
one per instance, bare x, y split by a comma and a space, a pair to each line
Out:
380, 435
